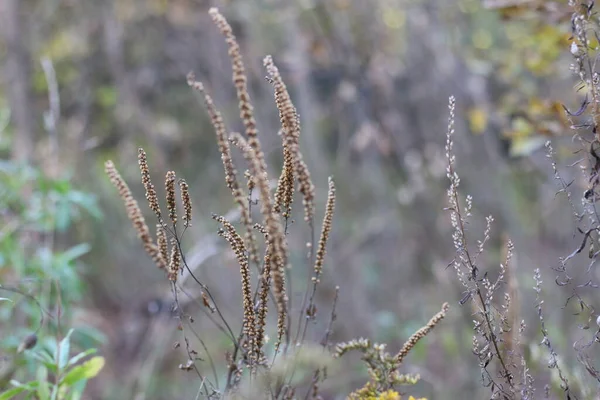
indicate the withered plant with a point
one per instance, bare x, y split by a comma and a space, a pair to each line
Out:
498, 331
503, 367
256, 369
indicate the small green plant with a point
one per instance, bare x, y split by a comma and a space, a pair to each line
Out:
40, 281
37, 211
58, 376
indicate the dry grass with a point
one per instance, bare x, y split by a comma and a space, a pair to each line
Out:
253, 365
259, 369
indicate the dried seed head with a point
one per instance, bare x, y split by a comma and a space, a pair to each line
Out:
134, 213
294, 165
27, 343
239, 78
325, 230
151, 196
231, 232
187, 203
284, 194
175, 260
250, 180
421, 333
161, 242
262, 230
220, 131
263, 306
254, 155
237, 244
230, 171
170, 190
276, 237
246, 113
308, 191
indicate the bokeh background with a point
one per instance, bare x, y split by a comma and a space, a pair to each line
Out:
84, 81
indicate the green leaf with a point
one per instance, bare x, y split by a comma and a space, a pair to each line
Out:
81, 356
90, 337
44, 357
29, 386
54, 395
43, 390
78, 389
9, 394
63, 350
50, 348
87, 370
5, 299
86, 201
62, 215
50, 366
62, 186
106, 96
75, 252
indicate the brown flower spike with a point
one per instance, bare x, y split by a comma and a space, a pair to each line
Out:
230, 172
276, 238
161, 241
325, 230
175, 261
187, 203
134, 213
237, 244
421, 333
170, 189
151, 196
290, 124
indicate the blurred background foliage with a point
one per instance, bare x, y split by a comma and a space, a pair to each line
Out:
370, 80
41, 278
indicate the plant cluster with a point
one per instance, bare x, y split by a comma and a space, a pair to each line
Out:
382, 366
498, 340
259, 242
40, 274
291, 366
40, 284
58, 376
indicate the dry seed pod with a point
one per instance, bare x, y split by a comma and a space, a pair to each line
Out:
28, 343
134, 213
170, 190
187, 203
151, 196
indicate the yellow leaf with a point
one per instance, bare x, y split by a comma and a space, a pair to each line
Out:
482, 39
526, 145
521, 127
478, 120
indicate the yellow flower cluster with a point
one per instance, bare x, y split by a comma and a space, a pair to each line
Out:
390, 395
